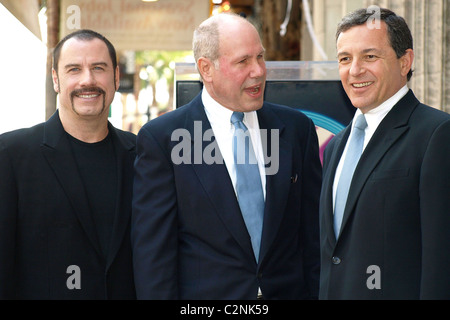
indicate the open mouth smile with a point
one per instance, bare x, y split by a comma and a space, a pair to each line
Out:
256, 90
87, 96
362, 84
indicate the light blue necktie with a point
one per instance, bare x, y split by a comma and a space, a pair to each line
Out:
354, 151
248, 181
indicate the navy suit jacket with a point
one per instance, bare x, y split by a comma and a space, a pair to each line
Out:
46, 226
395, 235
188, 235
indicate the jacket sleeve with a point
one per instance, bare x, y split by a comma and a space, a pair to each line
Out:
154, 221
311, 185
435, 215
8, 213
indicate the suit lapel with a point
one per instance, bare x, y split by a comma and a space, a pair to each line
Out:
125, 153
278, 184
339, 142
215, 178
57, 151
393, 126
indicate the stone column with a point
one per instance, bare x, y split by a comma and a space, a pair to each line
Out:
429, 21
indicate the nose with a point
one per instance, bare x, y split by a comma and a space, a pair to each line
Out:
258, 69
87, 78
356, 67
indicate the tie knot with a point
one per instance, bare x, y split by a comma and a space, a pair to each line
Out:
237, 117
360, 122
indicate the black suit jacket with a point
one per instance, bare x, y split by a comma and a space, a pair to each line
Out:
395, 232
45, 221
189, 238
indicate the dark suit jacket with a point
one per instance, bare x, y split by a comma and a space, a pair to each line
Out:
188, 235
45, 221
397, 217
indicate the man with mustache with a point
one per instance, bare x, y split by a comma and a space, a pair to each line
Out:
192, 235
65, 194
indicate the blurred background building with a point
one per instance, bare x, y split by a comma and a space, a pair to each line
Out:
152, 36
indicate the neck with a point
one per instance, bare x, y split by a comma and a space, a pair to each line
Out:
89, 130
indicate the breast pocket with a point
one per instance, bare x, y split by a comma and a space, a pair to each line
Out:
390, 174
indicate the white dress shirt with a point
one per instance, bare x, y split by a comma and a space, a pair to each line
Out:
373, 119
220, 119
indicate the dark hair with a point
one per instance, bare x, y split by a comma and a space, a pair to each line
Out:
84, 34
398, 31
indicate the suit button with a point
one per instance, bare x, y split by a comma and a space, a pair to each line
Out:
336, 260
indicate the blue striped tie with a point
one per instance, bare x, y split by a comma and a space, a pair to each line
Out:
354, 151
248, 181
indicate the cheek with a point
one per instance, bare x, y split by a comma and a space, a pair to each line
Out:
233, 76
66, 84
227, 75
343, 71
229, 81
343, 75
238, 80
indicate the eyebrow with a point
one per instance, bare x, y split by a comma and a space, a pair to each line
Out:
365, 51
369, 50
71, 65
246, 56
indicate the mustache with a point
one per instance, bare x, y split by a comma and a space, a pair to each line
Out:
87, 90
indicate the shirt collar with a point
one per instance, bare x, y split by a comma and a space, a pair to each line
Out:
215, 111
221, 116
376, 115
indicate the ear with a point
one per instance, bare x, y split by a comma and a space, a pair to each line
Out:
407, 61
117, 78
55, 81
205, 68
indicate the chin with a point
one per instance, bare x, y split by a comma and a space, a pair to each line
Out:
358, 103
89, 111
93, 113
256, 105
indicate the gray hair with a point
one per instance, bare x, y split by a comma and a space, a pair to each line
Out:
206, 39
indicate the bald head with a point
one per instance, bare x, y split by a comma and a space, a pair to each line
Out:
230, 60
207, 37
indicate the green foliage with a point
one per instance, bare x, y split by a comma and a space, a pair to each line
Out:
158, 65
162, 62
